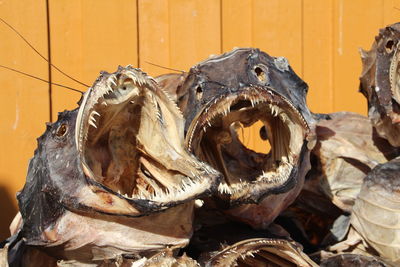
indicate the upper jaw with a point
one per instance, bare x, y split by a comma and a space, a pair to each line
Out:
127, 136
273, 106
111, 92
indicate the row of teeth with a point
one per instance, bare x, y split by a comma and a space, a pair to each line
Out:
112, 81
92, 119
284, 170
139, 80
272, 178
187, 189
250, 253
275, 111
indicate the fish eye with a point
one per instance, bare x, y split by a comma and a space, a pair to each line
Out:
199, 92
62, 130
260, 74
389, 46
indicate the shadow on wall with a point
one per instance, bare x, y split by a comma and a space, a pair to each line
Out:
8, 211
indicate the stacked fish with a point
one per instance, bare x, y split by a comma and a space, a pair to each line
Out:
154, 171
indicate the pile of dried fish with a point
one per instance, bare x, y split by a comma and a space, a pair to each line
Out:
154, 172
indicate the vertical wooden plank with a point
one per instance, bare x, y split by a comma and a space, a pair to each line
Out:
177, 33
273, 26
317, 54
355, 24
195, 31
236, 24
154, 41
277, 29
391, 12
88, 36
24, 102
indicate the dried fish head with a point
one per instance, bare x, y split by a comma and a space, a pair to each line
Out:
235, 90
129, 138
102, 173
380, 82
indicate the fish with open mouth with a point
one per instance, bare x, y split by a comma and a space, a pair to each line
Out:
380, 82
102, 174
237, 89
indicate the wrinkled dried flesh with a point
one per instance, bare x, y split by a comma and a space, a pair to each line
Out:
77, 236
347, 149
131, 144
352, 260
376, 217
220, 145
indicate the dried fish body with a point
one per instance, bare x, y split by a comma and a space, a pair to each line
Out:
347, 149
102, 174
376, 213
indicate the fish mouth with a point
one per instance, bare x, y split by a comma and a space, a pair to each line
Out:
249, 175
262, 252
394, 79
129, 140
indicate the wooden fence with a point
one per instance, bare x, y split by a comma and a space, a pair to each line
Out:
319, 37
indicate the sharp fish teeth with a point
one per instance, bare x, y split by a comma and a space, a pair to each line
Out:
93, 124
95, 113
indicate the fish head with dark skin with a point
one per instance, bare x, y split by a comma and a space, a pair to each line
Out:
380, 82
238, 89
108, 168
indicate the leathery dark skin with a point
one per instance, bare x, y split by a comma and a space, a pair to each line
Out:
237, 89
112, 177
380, 83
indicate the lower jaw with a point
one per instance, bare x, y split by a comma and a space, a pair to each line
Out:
261, 215
90, 238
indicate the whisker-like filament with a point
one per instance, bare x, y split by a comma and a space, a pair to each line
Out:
40, 79
164, 67
43, 57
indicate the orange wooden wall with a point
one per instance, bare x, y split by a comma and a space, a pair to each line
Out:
82, 37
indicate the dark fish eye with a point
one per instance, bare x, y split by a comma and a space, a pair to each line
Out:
199, 92
61, 130
389, 45
260, 74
